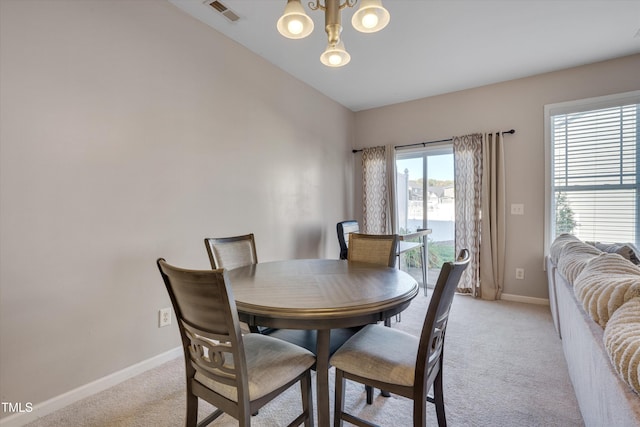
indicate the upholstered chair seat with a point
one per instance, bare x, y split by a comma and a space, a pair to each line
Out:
271, 363
394, 362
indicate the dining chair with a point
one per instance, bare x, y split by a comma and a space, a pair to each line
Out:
374, 248
237, 374
396, 361
379, 249
344, 228
233, 252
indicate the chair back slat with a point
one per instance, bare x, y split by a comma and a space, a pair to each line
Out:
373, 248
231, 252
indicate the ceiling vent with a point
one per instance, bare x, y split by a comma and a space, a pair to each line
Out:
224, 10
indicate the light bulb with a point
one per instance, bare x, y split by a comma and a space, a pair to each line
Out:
294, 22
370, 20
295, 26
370, 17
335, 59
335, 55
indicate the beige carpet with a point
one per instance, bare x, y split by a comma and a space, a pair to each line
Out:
503, 367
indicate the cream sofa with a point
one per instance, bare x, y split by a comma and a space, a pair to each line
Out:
595, 304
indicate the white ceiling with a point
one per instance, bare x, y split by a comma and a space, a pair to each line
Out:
432, 47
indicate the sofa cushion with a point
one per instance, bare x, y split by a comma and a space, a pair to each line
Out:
622, 341
558, 244
605, 283
626, 250
574, 256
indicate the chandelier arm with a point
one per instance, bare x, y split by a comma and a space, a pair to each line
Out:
348, 3
317, 5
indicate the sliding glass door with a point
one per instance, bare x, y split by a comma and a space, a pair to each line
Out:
426, 199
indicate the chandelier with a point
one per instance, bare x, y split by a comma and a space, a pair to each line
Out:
296, 24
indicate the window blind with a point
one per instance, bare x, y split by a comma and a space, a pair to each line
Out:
595, 164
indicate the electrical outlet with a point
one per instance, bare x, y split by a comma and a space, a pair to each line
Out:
520, 273
517, 209
164, 317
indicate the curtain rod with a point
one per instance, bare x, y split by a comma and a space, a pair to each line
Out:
512, 131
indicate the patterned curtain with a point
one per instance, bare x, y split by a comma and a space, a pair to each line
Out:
467, 153
378, 174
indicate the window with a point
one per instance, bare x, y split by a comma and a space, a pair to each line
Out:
592, 169
425, 198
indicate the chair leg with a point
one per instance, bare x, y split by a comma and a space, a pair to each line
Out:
339, 399
419, 413
369, 391
192, 410
307, 400
438, 398
387, 323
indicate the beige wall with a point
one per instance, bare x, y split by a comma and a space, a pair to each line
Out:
131, 131
517, 104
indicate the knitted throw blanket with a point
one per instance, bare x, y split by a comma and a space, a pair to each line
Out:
605, 283
622, 341
608, 286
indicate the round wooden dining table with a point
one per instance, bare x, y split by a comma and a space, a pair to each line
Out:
320, 294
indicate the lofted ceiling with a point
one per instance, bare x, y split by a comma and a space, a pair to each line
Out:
431, 47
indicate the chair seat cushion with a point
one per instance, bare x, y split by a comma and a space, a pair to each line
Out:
271, 363
380, 353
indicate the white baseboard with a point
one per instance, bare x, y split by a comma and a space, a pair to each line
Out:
527, 300
47, 407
